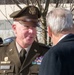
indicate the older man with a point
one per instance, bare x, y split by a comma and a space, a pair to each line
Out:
59, 60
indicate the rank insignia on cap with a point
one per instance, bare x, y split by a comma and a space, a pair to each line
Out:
32, 10
5, 61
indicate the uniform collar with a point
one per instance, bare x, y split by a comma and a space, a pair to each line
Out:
19, 48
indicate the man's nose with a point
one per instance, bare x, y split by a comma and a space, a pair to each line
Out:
30, 30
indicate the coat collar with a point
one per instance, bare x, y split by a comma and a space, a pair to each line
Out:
69, 37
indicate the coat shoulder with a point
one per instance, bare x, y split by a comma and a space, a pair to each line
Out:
3, 48
4, 45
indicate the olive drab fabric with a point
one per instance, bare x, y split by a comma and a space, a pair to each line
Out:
10, 63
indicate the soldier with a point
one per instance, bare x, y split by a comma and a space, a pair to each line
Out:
12, 62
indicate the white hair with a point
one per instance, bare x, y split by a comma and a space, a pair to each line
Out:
15, 22
59, 20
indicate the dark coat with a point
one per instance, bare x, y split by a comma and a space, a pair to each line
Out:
10, 62
59, 60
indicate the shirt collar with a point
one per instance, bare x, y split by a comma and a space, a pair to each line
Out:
19, 48
63, 37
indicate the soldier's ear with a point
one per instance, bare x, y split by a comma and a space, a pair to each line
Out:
13, 26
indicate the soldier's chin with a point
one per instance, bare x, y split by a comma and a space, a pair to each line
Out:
29, 41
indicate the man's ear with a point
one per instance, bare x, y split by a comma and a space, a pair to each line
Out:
49, 31
13, 27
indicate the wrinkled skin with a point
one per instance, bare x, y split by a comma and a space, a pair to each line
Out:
25, 33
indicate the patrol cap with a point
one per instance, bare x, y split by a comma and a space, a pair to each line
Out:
27, 14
